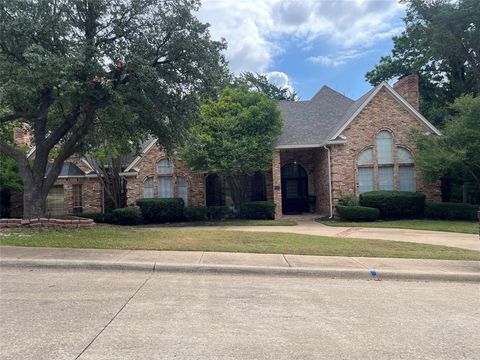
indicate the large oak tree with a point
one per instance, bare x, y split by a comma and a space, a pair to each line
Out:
73, 68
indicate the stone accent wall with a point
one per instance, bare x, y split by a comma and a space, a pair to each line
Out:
148, 167
47, 223
383, 112
407, 87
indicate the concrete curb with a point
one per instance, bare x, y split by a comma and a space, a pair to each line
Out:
242, 270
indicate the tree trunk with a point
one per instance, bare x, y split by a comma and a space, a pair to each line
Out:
34, 201
238, 190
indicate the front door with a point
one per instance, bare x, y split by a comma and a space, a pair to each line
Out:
294, 189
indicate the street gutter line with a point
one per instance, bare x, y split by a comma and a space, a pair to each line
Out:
115, 316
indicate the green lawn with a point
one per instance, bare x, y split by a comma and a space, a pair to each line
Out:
116, 237
233, 222
467, 227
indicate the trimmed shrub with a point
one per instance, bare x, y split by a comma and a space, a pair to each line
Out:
358, 213
99, 218
395, 204
161, 210
217, 212
127, 216
257, 210
195, 213
451, 211
348, 200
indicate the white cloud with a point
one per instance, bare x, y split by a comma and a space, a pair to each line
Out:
337, 59
255, 29
280, 79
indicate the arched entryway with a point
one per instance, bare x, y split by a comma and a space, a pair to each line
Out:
213, 190
294, 189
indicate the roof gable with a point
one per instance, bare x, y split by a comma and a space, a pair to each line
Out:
361, 103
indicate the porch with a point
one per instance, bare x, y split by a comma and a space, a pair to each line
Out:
301, 181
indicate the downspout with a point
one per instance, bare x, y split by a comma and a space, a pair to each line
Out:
329, 181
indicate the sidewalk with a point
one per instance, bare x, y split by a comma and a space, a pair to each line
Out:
218, 262
311, 227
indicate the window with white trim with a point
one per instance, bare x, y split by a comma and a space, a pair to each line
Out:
165, 178
148, 187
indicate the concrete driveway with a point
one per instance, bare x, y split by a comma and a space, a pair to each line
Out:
55, 314
311, 227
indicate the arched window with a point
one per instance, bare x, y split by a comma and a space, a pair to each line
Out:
376, 166
385, 160
182, 187
365, 171
406, 170
165, 178
164, 166
148, 187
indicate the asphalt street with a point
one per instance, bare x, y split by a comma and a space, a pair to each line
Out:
86, 314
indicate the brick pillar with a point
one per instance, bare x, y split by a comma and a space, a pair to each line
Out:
277, 184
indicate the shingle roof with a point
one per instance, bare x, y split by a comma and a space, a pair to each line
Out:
313, 122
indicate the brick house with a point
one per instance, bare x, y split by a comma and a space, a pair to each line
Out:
330, 146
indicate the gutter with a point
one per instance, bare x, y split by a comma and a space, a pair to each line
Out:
329, 182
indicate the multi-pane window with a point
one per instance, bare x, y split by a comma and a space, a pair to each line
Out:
406, 170
164, 167
365, 171
165, 178
376, 169
77, 198
384, 148
148, 187
365, 179
182, 187
55, 201
385, 178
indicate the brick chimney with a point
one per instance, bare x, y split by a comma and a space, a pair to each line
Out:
407, 87
22, 137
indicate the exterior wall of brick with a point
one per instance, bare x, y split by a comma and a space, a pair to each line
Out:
382, 113
320, 158
277, 184
148, 167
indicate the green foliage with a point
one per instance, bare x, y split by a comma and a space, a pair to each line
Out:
358, 213
395, 204
260, 210
161, 210
127, 216
451, 211
235, 137
195, 213
260, 83
99, 218
438, 44
347, 200
82, 71
456, 152
217, 212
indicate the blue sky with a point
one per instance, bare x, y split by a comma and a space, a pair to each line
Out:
305, 44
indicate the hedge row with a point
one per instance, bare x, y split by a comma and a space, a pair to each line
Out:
451, 211
358, 213
395, 204
402, 205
